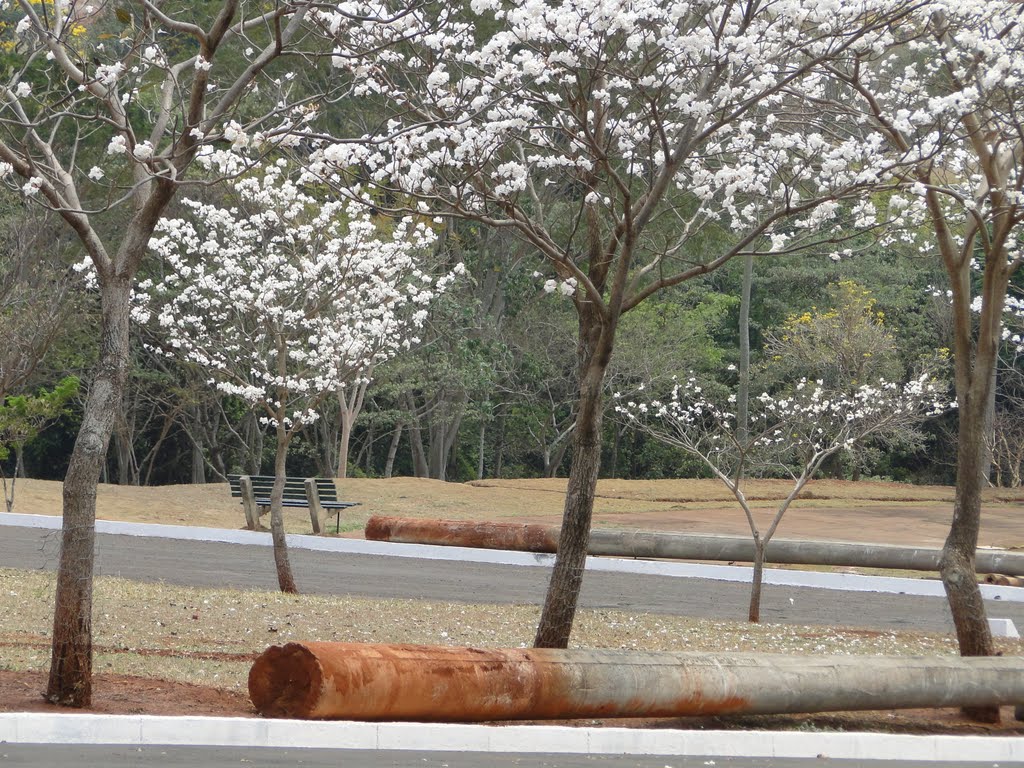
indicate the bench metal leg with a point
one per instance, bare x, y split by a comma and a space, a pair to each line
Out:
316, 512
252, 516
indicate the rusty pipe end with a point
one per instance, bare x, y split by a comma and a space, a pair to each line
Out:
286, 681
379, 528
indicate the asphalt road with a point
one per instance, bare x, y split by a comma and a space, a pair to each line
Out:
240, 566
44, 756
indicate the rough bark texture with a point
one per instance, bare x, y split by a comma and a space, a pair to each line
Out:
396, 436
350, 404
988, 433
70, 682
343, 443
974, 366
754, 614
567, 576
559, 610
285, 579
957, 564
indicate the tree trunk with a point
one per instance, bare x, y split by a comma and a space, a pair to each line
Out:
480, 449
19, 461
988, 432
754, 614
198, 460
70, 681
499, 449
743, 389
443, 433
419, 458
285, 579
8, 490
254, 444
552, 461
559, 610
396, 437
324, 432
350, 405
957, 565
437, 459
127, 466
343, 443
616, 446
367, 451
213, 444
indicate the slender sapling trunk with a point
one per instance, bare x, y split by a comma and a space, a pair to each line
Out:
70, 680
285, 579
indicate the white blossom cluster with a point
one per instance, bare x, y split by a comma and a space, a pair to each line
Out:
806, 424
615, 92
946, 91
288, 297
1012, 330
136, 93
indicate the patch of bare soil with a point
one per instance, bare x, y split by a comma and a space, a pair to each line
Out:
130, 695
126, 695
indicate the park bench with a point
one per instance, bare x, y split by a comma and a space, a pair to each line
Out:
317, 493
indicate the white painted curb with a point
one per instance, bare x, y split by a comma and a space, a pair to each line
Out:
1003, 628
141, 730
837, 581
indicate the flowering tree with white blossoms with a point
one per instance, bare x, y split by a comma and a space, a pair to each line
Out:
948, 90
103, 109
1007, 433
635, 144
793, 434
285, 299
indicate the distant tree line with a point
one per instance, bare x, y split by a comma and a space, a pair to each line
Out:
490, 390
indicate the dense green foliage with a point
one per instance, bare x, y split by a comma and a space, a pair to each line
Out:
490, 391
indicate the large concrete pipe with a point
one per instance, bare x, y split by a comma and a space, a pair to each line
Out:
464, 533
678, 546
442, 684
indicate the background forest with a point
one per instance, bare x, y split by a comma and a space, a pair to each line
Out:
490, 389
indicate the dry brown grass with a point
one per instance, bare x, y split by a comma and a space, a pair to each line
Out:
862, 511
210, 636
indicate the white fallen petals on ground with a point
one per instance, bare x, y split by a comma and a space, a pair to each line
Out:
210, 636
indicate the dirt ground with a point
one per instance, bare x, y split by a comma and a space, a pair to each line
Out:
128, 695
865, 511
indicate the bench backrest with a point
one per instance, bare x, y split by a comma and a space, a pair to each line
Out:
294, 487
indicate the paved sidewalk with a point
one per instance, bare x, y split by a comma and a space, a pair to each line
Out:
772, 576
423, 737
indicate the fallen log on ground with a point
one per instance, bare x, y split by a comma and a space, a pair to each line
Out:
1003, 581
356, 681
678, 546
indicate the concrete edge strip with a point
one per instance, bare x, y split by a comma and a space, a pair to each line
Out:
142, 730
787, 578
